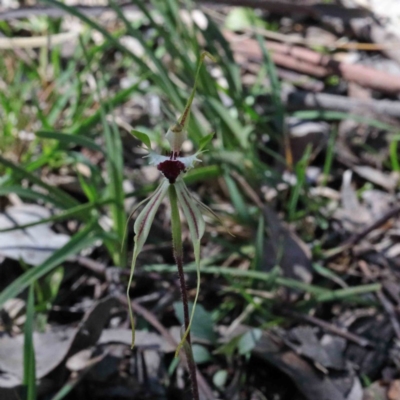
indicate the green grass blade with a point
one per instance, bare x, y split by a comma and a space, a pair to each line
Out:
27, 193
240, 132
320, 294
330, 150
114, 162
201, 174
164, 80
81, 128
339, 116
301, 169
394, 154
259, 244
219, 46
29, 379
275, 84
237, 198
70, 139
81, 212
53, 192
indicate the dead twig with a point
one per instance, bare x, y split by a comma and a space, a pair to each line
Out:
328, 327
308, 61
268, 5
54, 12
387, 305
354, 239
305, 100
381, 221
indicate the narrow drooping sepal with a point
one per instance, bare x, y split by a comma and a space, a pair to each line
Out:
196, 225
142, 228
191, 211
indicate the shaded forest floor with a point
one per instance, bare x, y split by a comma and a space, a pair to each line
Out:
300, 271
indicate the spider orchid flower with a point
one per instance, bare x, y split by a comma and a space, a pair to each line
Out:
173, 168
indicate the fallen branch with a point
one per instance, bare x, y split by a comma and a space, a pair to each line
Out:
326, 326
310, 62
309, 9
357, 237
303, 100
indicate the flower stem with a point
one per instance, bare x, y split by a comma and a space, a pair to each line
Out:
178, 254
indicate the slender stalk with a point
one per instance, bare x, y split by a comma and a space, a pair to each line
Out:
178, 254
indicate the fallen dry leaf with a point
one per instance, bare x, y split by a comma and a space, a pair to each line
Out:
34, 244
394, 390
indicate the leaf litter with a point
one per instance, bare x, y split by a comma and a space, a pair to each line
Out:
305, 322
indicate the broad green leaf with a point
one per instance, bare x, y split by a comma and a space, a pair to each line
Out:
202, 174
220, 378
248, 341
205, 141
201, 354
142, 137
202, 326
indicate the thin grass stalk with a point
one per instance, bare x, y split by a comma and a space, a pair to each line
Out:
29, 379
178, 254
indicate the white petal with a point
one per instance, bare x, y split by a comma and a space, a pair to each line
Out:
155, 158
189, 161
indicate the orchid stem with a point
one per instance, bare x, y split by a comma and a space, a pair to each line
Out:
178, 254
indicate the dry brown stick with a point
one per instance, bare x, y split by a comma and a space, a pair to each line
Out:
94, 266
328, 327
37, 41
279, 7
305, 100
268, 5
391, 312
354, 239
308, 61
54, 12
152, 320
361, 235
386, 304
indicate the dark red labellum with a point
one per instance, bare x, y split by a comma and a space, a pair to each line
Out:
171, 169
